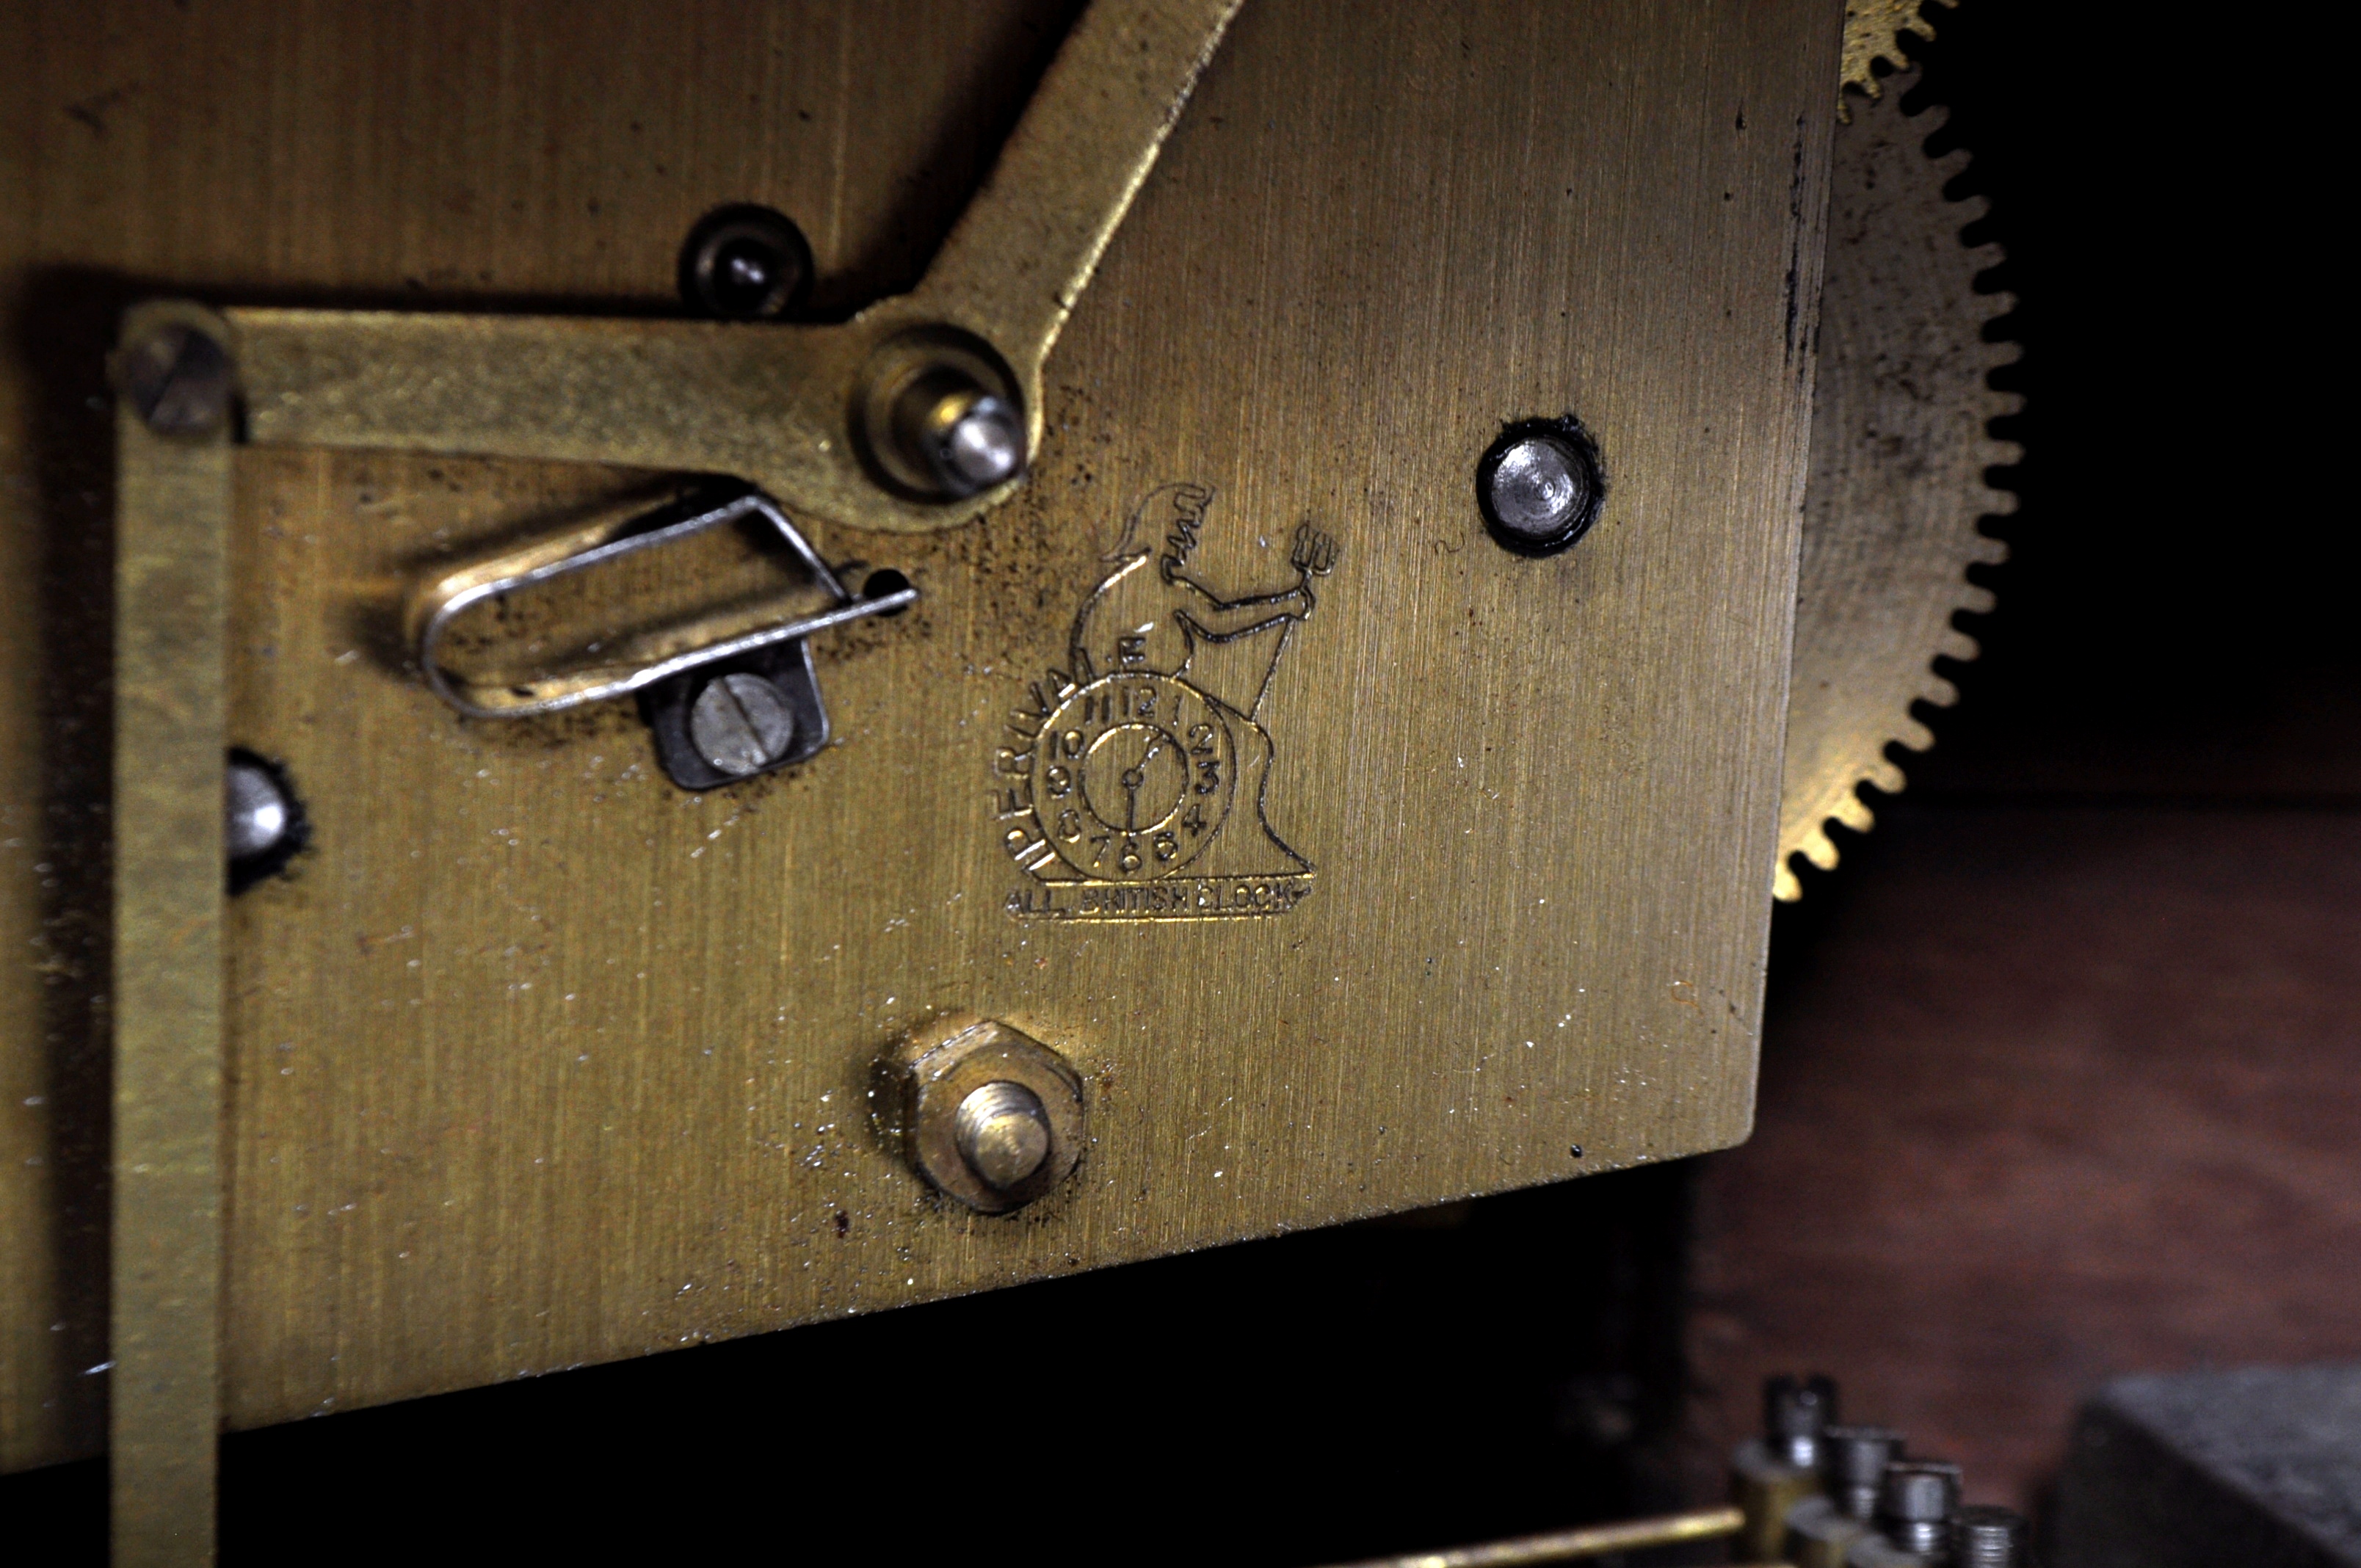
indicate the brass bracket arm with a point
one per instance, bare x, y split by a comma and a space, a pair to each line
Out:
833, 420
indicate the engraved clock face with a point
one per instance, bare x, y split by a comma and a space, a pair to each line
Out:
1133, 775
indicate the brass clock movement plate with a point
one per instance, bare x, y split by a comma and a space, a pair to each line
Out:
1353, 862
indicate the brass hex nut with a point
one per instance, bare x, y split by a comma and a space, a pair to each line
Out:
1004, 1078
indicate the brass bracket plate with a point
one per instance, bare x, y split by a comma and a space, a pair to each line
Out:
529, 1041
172, 525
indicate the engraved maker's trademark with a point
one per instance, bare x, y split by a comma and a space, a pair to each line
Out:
1134, 787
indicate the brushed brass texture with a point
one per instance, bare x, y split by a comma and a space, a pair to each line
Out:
1573, 1545
495, 1038
933, 1070
172, 505
452, 156
1900, 446
792, 409
630, 660
1872, 31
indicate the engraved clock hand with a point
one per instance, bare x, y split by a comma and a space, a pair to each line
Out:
1134, 779
819, 416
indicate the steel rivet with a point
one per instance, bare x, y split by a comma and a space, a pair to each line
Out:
745, 263
256, 812
263, 824
1539, 486
178, 378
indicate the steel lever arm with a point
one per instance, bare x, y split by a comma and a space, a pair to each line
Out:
799, 410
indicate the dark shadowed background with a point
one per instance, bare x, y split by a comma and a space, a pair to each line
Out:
2062, 1066
2059, 1079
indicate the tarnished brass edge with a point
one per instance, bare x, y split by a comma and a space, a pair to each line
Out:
1570, 1545
171, 537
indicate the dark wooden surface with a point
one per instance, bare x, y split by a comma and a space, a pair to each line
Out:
2062, 1066
2053, 1093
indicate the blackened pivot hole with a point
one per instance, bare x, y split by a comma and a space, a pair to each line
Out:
1539, 485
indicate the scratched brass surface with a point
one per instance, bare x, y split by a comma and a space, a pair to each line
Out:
537, 1061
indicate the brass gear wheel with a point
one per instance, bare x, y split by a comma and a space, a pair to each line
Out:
1900, 446
1872, 31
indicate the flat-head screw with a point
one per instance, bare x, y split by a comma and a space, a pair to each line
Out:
1003, 1131
741, 724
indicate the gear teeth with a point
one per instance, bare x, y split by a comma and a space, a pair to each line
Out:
1872, 31
1839, 700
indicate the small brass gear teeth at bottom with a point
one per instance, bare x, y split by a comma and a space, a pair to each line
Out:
1900, 445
